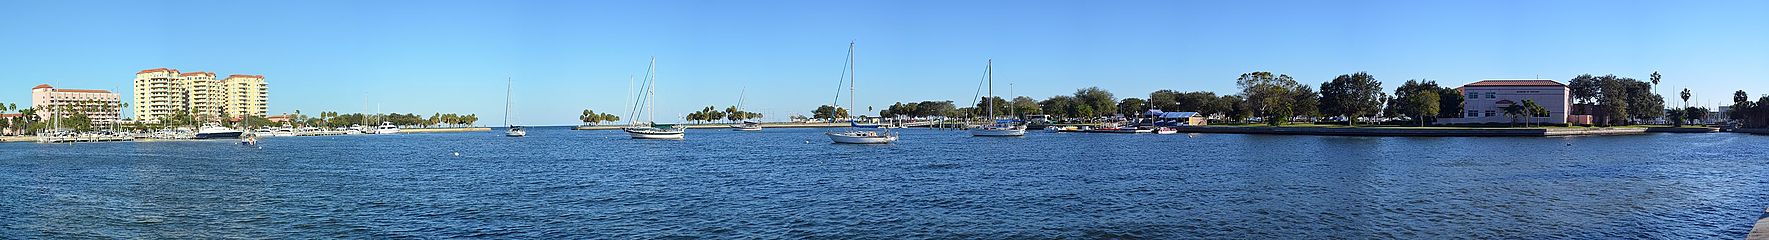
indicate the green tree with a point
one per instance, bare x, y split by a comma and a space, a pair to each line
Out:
1099, 101
829, 112
1354, 96
1272, 96
1166, 100
1421, 105
1063, 106
1131, 107
1023, 105
1695, 114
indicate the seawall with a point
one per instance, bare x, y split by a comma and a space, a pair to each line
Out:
1414, 132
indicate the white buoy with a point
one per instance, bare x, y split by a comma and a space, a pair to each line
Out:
457, 154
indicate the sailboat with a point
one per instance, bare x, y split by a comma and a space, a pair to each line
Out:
647, 102
999, 127
513, 131
746, 125
856, 133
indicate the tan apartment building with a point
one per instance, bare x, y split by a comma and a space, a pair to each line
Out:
159, 93
247, 95
162, 92
205, 95
101, 106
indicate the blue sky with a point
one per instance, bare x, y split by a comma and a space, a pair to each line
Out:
565, 56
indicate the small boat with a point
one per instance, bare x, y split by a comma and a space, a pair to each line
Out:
1166, 130
281, 132
656, 131
217, 132
862, 137
1001, 128
747, 126
855, 133
651, 130
513, 131
387, 128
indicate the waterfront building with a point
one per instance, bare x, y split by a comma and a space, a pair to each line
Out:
1484, 101
247, 95
101, 106
205, 95
159, 94
10, 117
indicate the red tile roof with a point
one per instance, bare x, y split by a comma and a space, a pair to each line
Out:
157, 70
41, 86
197, 73
11, 115
1515, 83
244, 76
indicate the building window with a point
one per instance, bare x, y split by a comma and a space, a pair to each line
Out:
1473, 113
1489, 113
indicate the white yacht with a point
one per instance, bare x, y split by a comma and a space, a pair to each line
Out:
212, 131
387, 128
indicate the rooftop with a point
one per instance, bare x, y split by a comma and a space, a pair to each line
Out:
157, 70
46, 86
1515, 83
245, 76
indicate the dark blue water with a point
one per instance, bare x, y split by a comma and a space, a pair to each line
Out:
790, 183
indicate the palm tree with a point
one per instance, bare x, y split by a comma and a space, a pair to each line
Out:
1655, 78
1514, 111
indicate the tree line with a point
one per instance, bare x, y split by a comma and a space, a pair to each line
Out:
1274, 99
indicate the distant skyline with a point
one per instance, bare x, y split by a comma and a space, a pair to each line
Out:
426, 57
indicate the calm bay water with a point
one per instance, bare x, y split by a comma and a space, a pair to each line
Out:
790, 183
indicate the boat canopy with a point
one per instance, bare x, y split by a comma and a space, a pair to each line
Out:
662, 126
1008, 121
1170, 115
858, 125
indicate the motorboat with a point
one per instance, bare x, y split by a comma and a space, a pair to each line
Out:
217, 132
387, 128
1166, 130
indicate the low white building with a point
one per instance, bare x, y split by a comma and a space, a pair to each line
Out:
1484, 102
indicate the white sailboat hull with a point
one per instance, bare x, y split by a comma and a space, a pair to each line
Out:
654, 134
861, 137
997, 132
516, 133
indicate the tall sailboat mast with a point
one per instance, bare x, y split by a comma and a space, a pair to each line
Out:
508, 83
852, 68
651, 92
989, 73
